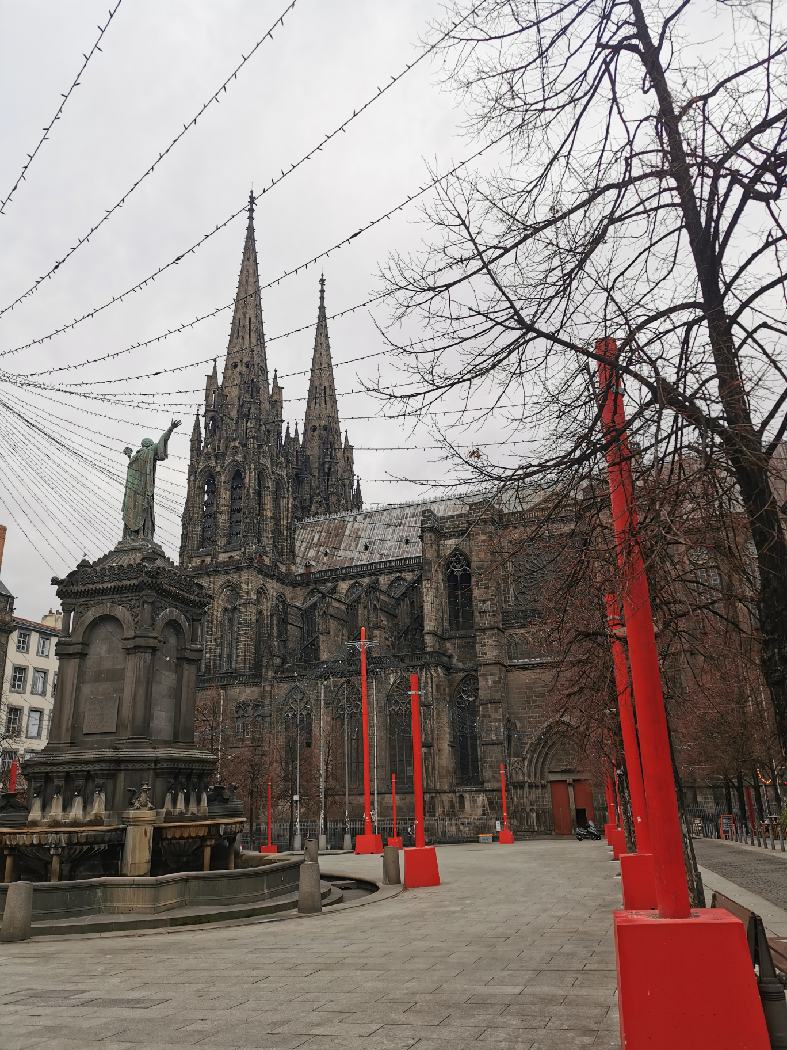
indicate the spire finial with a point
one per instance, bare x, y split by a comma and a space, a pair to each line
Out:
251, 204
322, 290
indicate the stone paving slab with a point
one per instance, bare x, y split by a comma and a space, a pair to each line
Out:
514, 950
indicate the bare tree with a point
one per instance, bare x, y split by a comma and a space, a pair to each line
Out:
640, 199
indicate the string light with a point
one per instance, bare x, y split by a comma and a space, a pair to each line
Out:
149, 171
285, 173
59, 111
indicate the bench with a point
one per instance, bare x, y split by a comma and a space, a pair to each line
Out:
776, 945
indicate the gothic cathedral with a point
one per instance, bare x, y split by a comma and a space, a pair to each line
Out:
274, 528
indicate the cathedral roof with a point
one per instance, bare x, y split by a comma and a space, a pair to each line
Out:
383, 533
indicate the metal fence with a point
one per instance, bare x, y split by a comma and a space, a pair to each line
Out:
437, 829
714, 822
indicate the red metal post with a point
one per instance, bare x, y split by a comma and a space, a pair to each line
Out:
506, 836
270, 813
418, 778
628, 728
667, 842
12, 775
393, 801
367, 794
609, 794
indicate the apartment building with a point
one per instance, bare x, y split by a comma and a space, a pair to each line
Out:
29, 685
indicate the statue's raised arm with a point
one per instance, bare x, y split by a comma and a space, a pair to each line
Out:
139, 520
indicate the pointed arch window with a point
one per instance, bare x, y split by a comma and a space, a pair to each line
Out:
400, 741
236, 507
347, 733
464, 718
459, 591
208, 531
311, 637
296, 718
353, 599
228, 642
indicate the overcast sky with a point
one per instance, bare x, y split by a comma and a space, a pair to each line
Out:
159, 63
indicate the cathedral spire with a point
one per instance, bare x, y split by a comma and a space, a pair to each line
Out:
246, 368
321, 408
328, 465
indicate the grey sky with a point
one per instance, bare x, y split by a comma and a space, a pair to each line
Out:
159, 63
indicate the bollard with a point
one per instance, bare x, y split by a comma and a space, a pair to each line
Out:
347, 845
18, 914
391, 876
309, 899
311, 851
322, 844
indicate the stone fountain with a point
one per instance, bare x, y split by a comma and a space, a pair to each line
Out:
121, 789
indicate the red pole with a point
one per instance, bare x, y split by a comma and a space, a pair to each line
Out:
618, 806
671, 885
367, 794
12, 775
610, 797
418, 775
270, 812
393, 801
628, 728
503, 793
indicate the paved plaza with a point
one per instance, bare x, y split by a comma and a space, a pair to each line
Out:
513, 950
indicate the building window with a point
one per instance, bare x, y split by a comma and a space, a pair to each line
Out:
400, 741
248, 719
35, 722
42, 648
38, 685
465, 731
208, 536
311, 638
54, 683
347, 729
353, 599
229, 638
13, 721
18, 679
23, 641
236, 507
459, 588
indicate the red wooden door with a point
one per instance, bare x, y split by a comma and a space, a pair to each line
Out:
561, 813
583, 798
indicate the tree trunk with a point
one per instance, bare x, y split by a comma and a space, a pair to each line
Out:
741, 801
743, 445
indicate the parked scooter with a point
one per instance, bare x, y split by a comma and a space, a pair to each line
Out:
589, 832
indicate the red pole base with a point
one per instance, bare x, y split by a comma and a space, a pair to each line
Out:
395, 840
368, 844
420, 867
608, 829
618, 843
639, 881
269, 849
506, 837
687, 983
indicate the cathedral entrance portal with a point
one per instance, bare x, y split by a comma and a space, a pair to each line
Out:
572, 805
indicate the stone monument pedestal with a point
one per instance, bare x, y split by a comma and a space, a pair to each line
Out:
121, 787
138, 844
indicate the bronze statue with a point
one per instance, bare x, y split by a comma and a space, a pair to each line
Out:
138, 518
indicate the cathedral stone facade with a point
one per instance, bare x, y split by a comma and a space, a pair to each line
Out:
274, 528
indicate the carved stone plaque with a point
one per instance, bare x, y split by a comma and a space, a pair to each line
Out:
101, 714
